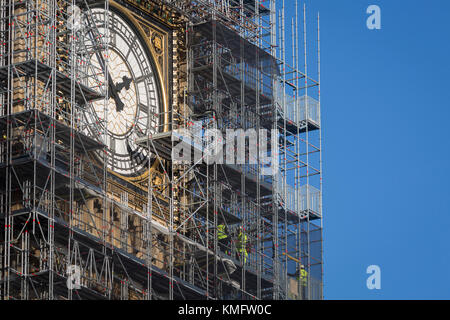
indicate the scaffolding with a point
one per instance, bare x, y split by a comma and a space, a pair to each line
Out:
196, 227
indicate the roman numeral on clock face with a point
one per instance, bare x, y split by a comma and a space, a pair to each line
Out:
145, 76
143, 108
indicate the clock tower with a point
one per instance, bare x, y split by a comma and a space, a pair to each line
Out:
96, 99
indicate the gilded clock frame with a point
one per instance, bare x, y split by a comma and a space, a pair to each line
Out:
156, 39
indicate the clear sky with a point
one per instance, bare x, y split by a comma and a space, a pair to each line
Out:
386, 111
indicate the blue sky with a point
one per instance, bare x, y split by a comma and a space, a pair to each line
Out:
385, 111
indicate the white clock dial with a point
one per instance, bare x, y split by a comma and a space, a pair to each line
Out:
133, 104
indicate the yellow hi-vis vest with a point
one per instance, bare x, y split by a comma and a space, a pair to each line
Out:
221, 232
242, 243
303, 277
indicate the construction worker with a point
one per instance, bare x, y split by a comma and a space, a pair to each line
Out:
303, 277
222, 237
241, 246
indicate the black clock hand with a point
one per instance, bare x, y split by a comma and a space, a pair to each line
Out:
134, 154
124, 84
114, 93
112, 90
117, 88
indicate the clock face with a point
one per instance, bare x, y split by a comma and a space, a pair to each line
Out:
133, 102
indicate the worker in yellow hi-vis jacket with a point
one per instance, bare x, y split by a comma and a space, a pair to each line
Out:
241, 246
222, 238
301, 275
